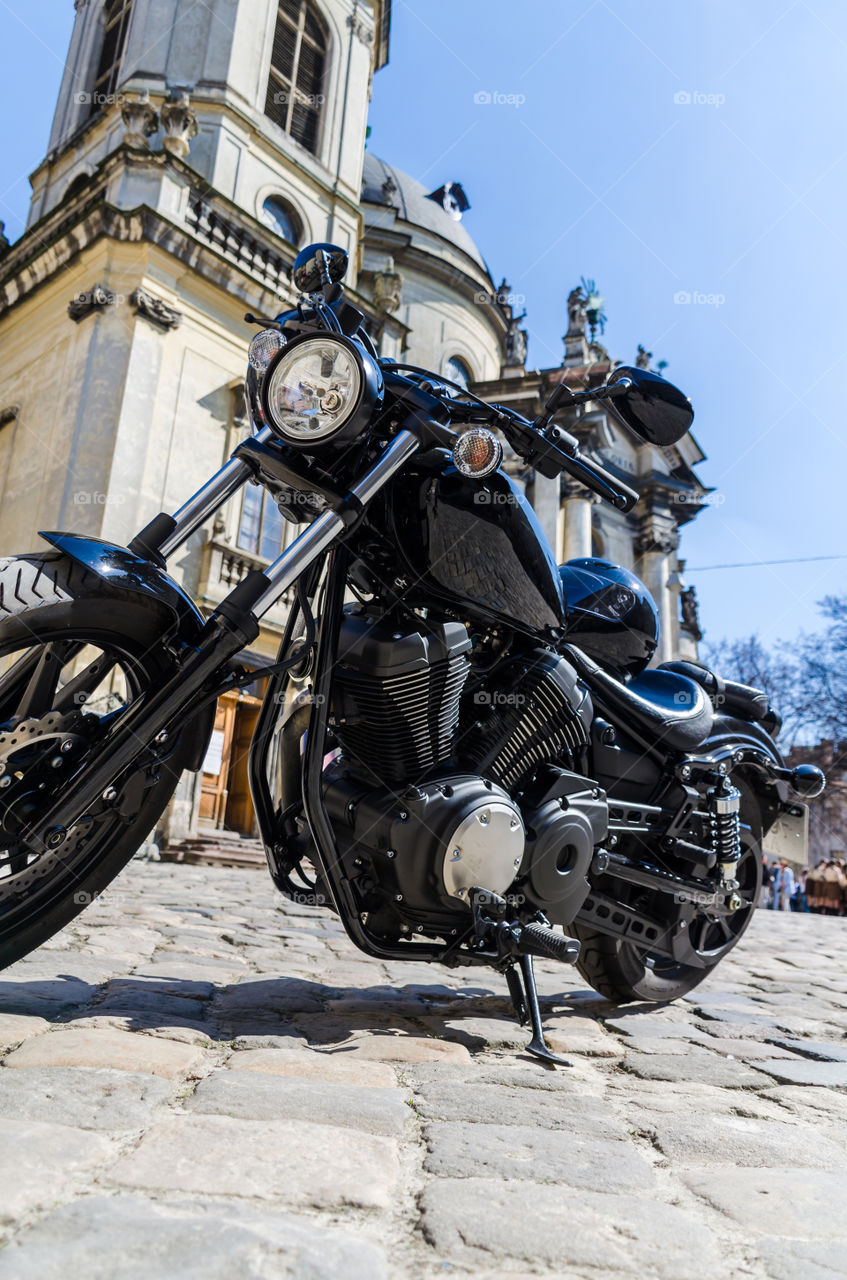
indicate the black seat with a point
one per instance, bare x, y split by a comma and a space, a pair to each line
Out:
660, 705
728, 696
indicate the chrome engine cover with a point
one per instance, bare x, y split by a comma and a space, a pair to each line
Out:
485, 850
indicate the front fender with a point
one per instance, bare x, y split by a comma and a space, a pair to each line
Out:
121, 573
169, 610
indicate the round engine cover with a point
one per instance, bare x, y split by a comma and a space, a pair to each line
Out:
484, 850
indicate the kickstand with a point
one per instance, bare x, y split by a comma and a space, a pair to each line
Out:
537, 1045
513, 978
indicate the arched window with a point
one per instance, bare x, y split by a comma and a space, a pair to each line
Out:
261, 528
458, 371
282, 219
77, 184
115, 23
296, 82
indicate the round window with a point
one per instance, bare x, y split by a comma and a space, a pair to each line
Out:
280, 217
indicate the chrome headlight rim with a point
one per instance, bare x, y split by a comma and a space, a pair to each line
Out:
368, 398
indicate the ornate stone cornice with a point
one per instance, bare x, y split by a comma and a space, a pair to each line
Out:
91, 300
235, 256
656, 531
155, 310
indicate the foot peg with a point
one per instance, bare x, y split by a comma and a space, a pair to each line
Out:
516, 944
537, 940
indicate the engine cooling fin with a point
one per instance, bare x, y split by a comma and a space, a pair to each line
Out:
534, 712
396, 694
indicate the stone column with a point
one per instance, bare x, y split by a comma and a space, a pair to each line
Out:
544, 496
575, 524
655, 545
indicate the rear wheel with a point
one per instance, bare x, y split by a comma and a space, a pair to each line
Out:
622, 972
69, 665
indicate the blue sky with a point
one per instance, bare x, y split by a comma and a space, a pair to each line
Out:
662, 148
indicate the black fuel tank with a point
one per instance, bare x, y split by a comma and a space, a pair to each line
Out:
478, 544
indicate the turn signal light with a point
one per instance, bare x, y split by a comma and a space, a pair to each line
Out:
477, 452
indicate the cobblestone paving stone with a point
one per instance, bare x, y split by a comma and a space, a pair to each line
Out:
199, 1079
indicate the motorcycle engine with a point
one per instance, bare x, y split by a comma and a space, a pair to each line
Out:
422, 798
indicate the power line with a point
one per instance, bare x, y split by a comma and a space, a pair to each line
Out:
755, 564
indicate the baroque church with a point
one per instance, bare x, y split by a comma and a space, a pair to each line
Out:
194, 150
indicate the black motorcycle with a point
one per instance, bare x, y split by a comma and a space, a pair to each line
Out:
461, 745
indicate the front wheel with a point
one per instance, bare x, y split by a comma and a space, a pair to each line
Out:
69, 664
622, 972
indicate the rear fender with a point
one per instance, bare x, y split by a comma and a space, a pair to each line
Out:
162, 609
769, 797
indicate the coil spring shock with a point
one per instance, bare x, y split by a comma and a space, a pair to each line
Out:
725, 823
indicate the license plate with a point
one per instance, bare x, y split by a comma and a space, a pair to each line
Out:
789, 836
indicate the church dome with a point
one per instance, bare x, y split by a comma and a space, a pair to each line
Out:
384, 185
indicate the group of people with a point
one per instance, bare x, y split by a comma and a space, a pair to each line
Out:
821, 889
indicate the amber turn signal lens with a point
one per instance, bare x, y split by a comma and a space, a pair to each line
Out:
477, 452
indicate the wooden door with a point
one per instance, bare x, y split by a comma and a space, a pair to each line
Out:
215, 779
240, 815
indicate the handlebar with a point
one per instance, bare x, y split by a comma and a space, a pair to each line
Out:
607, 486
553, 451
548, 449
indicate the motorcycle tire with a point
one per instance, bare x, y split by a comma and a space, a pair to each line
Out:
624, 973
50, 605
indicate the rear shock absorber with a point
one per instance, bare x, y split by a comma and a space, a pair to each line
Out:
725, 826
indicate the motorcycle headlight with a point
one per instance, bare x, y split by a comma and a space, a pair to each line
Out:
319, 388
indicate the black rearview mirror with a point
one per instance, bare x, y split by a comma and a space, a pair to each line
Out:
653, 408
319, 265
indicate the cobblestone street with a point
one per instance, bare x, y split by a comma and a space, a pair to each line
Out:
201, 1080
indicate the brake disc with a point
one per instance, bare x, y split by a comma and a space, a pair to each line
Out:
36, 756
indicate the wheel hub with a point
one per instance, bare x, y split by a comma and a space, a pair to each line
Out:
36, 756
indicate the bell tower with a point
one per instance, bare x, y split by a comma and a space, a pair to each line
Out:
265, 99
195, 148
